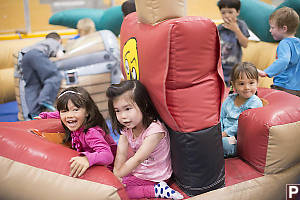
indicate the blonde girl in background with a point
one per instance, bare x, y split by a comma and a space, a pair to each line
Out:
85, 26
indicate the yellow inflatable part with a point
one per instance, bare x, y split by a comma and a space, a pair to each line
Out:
8, 53
7, 89
10, 48
262, 55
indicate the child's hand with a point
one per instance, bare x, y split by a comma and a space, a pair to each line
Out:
230, 24
224, 134
79, 165
37, 118
118, 177
231, 140
262, 73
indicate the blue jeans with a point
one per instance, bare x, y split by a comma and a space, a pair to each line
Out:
42, 80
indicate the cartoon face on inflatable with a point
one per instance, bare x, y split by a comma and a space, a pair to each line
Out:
130, 59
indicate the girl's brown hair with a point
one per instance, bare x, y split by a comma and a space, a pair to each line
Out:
138, 94
81, 99
245, 67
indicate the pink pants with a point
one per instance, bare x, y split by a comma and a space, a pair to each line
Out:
137, 188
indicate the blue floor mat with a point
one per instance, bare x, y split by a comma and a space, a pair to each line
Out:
9, 112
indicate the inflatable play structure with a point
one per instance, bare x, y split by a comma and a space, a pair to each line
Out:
91, 62
262, 12
34, 168
268, 146
108, 19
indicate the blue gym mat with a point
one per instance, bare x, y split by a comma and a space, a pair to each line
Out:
9, 112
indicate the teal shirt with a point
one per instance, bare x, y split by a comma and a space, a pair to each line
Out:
230, 112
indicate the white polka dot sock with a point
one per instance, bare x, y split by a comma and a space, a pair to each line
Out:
162, 190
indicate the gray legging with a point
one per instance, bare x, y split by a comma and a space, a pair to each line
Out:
42, 80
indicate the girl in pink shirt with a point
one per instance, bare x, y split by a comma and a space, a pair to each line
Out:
143, 160
86, 128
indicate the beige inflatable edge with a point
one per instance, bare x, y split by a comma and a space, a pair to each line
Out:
154, 11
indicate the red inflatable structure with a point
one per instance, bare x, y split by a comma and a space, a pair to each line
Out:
268, 146
178, 60
34, 168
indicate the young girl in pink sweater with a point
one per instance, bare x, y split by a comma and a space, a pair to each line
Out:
86, 128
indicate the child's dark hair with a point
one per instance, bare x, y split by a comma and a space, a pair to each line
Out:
53, 35
81, 99
128, 7
138, 94
286, 16
236, 4
244, 67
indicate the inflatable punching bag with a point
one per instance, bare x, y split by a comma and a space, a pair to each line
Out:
177, 58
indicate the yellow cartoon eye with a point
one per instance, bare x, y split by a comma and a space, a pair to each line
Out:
130, 59
133, 72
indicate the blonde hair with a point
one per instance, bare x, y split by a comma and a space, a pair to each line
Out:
85, 26
285, 16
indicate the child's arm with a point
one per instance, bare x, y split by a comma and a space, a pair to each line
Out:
60, 54
101, 154
282, 61
233, 26
122, 153
148, 146
49, 115
222, 116
262, 73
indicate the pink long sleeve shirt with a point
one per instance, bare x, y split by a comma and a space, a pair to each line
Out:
95, 144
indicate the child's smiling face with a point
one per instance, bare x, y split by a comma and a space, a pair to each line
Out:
245, 87
74, 117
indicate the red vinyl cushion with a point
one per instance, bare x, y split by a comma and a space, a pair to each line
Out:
179, 63
254, 125
237, 171
17, 143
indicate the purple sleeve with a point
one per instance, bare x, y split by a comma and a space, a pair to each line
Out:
101, 154
49, 115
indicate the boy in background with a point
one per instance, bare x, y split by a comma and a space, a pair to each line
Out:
233, 35
286, 68
128, 7
41, 76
